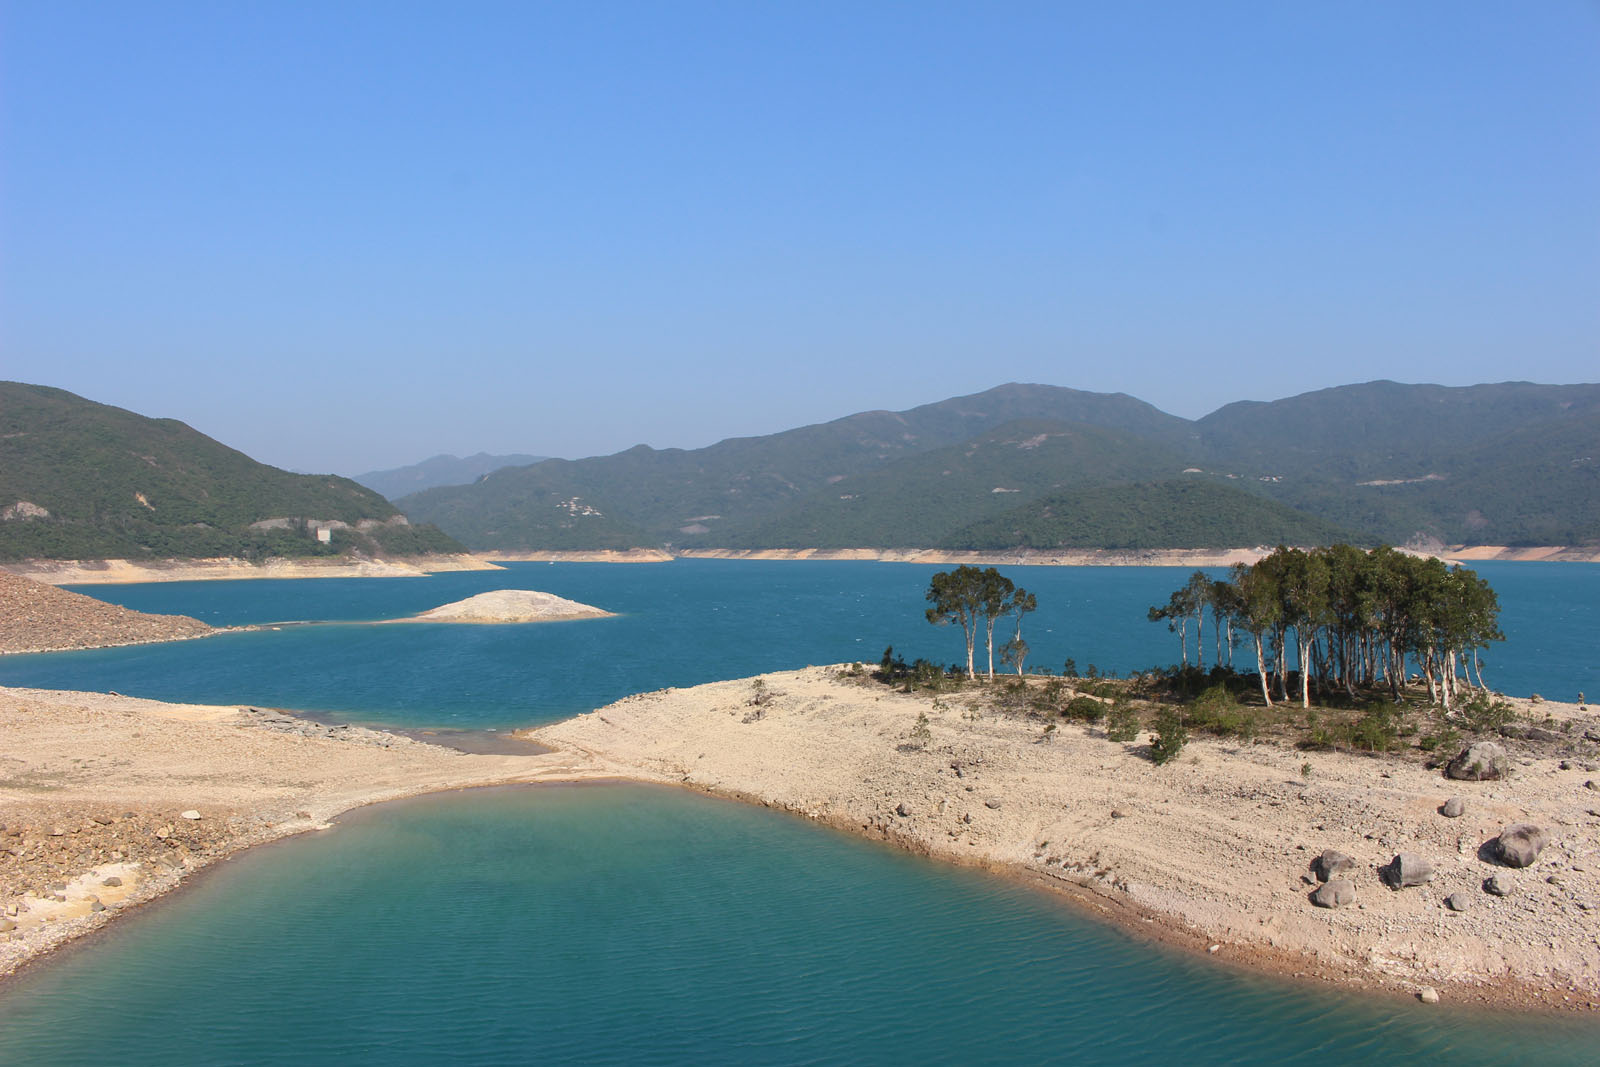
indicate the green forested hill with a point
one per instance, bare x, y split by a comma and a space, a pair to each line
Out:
1194, 513
684, 497
927, 495
1380, 461
81, 480
1378, 430
1537, 484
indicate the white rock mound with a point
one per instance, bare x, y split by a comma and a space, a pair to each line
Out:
511, 605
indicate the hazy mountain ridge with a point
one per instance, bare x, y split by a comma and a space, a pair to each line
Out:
1511, 463
439, 470
81, 480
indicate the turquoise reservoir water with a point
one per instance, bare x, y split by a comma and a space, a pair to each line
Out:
623, 924
681, 624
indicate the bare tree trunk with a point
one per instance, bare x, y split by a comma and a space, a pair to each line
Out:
990, 635
1304, 648
1261, 668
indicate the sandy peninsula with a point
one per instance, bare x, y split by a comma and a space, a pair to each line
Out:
35, 617
109, 801
1213, 850
510, 606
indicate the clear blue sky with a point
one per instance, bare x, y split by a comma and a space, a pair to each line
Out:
342, 236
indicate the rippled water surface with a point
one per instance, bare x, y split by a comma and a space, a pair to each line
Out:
681, 624
620, 924
626, 924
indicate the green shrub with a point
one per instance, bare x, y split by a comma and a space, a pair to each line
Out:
921, 734
1084, 709
1170, 736
1375, 730
1122, 722
1482, 714
1215, 711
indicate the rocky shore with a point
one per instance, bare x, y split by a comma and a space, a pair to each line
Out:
35, 617
1214, 851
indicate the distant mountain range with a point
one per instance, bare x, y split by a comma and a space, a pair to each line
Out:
440, 470
1045, 466
81, 480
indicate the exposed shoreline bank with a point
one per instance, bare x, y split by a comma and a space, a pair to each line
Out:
108, 802
129, 572
1108, 557
97, 789
125, 572
1211, 851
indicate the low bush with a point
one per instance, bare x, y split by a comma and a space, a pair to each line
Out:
1084, 709
1122, 722
1170, 737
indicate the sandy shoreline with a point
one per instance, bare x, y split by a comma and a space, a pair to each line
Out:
122, 572
126, 572
1210, 851
1215, 848
107, 802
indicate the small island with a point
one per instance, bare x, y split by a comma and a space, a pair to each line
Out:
509, 606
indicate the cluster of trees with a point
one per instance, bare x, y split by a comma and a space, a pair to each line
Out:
1355, 619
975, 598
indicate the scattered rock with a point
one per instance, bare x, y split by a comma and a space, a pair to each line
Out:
1498, 885
113, 881
1457, 902
1481, 761
1408, 869
6, 926
1519, 845
1590, 784
992, 802
1118, 813
1335, 893
1331, 864
1453, 808
1428, 995
95, 905
902, 811
191, 815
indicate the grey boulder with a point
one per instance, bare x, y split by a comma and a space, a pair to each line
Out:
1453, 808
1480, 761
1520, 844
1408, 869
1331, 864
1335, 893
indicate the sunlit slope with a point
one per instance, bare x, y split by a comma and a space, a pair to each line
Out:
81, 480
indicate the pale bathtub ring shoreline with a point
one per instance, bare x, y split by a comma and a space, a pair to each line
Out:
123, 572
574, 764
